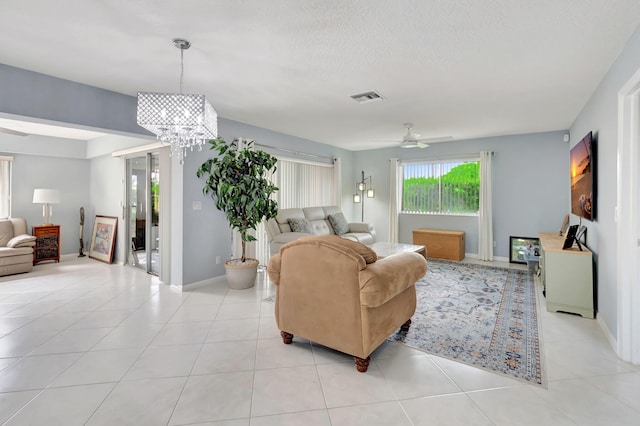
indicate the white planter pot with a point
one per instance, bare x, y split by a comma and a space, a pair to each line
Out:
241, 276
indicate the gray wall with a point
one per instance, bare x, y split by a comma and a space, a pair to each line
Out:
530, 187
206, 233
31, 94
70, 176
600, 115
95, 184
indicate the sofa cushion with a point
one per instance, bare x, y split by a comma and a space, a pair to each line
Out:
9, 255
299, 224
339, 223
361, 237
23, 240
6, 232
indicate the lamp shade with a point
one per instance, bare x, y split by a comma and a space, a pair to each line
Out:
46, 196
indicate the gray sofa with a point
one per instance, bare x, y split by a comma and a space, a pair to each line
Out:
322, 221
16, 247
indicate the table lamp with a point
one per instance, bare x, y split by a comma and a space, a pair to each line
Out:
46, 197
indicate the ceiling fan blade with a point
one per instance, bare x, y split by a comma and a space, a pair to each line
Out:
436, 140
410, 144
12, 132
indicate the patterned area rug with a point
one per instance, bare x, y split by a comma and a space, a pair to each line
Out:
480, 315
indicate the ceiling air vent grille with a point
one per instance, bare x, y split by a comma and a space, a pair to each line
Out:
366, 97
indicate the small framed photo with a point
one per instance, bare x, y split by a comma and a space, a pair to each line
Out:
522, 249
103, 238
565, 224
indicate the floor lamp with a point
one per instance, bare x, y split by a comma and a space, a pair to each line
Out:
361, 188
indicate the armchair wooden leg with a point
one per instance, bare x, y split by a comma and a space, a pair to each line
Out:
362, 364
287, 338
405, 327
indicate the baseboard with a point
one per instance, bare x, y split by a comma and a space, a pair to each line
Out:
209, 281
607, 333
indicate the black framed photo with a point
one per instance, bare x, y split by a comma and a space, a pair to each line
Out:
522, 249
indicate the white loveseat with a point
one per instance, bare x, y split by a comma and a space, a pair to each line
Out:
280, 232
16, 247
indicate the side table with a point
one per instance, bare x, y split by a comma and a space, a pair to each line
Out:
47, 243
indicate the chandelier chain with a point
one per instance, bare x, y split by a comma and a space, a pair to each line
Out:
181, 68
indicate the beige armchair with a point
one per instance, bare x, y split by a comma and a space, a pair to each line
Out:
335, 292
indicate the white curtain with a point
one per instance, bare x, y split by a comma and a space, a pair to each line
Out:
5, 186
485, 235
394, 199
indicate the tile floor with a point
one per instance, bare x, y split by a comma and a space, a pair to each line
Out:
83, 342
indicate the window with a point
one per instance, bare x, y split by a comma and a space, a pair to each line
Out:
441, 187
5, 186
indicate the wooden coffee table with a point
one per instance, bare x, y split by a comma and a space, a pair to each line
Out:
384, 249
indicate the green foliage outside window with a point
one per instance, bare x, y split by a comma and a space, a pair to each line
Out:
455, 192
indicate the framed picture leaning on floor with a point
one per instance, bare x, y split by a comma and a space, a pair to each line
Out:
103, 238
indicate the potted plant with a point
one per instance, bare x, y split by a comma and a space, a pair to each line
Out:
237, 179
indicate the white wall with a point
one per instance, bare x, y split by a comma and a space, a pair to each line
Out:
530, 187
600, 115
107, 198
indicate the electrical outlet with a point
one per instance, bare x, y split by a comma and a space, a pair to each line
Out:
217, 260
495, 244
197, 205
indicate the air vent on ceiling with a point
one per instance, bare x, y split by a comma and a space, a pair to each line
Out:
366, 97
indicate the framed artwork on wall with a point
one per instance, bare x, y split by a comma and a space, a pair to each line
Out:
523, 248
103, 238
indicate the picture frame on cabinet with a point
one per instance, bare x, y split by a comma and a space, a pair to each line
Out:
565, 224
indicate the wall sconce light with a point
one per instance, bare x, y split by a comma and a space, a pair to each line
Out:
362, 187
46, 197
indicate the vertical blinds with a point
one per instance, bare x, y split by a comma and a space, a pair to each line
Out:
300, 184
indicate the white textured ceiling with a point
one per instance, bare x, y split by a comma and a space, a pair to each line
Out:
466, 69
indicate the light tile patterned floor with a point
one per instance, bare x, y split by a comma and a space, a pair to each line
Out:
82, 342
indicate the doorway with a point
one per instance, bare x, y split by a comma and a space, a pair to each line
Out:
143, 212
628, 219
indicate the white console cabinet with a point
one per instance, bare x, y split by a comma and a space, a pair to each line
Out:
567, 276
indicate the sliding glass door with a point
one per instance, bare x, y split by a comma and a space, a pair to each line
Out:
143, 212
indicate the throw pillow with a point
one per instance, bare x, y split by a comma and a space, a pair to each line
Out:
23, 240
6, 232
338, 223
300, 224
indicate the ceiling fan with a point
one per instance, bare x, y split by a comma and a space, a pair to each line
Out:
413, 140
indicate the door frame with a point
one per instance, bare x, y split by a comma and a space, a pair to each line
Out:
627, 214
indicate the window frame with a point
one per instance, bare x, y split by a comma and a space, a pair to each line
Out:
432, 161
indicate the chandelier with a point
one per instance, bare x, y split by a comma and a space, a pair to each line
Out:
184, 121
